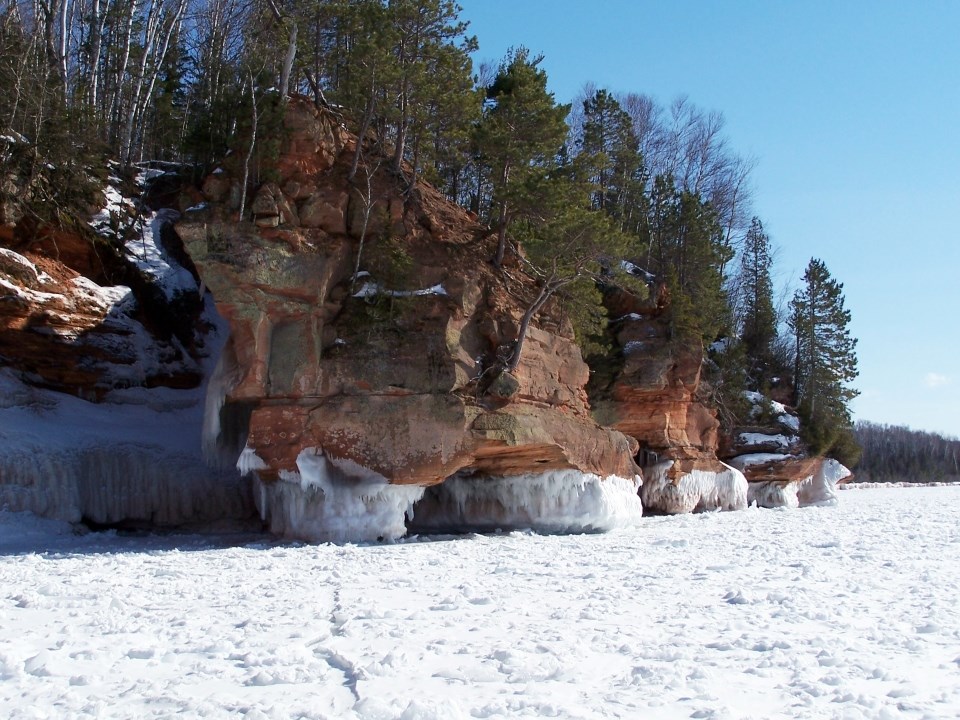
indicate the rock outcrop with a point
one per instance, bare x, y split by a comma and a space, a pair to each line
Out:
78, 316
774, 460
103, 313
388, 373
649, 392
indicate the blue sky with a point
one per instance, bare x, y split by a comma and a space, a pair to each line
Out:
852, 111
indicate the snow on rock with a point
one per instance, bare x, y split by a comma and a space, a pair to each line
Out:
742, 461
372, 289
331, 500
147, 251
697, 490
821, 489
560, 501
13, 263
752, 439
785, 418
637, 271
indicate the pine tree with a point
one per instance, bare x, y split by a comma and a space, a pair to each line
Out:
759, 319
826, 360
521, 131
608, 141
683, 242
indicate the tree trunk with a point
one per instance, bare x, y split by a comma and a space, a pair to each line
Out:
288, 61
501, 235
249, 157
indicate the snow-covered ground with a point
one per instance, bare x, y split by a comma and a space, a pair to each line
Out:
848, 611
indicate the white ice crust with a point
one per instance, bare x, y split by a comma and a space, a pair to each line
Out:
696, 491
558, 501
335, 500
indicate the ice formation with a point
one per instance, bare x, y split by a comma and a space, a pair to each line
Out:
696, 491
560, 501
821, 489
331, 500
774, 494
221, 446
136, 459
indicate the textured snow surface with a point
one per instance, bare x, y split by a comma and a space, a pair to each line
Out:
698, 490
558, 501
825, 612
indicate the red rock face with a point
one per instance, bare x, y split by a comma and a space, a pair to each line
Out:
64, 331
651, 396
388, 370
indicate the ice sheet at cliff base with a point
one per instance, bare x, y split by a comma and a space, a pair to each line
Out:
696, 490
135, 458
560, 501
331, 499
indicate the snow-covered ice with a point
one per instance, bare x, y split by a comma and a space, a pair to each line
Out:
825, 612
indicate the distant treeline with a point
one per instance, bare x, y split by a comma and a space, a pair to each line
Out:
892, 453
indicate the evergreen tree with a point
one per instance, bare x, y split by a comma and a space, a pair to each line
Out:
431, 73
759, 319
611, 148
570, 249
825, 362
522, 130
683, 240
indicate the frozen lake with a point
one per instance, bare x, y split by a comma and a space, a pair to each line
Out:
843, 612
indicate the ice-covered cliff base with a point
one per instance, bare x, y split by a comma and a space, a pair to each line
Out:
132, 460
335, 500
561, 501
818, 488
696, 491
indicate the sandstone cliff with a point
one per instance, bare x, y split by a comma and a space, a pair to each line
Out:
385, 374
361, 385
